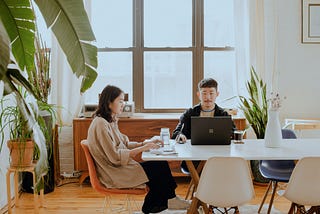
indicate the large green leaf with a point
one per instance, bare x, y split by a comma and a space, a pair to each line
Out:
5, 51
15, 76
70, 24
18, 19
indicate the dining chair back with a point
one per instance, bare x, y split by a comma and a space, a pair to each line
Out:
107, 192
303, 188
276, 171
225, 183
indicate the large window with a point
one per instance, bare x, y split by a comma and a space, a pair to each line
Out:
158, 50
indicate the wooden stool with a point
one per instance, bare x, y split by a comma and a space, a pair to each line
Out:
16, 170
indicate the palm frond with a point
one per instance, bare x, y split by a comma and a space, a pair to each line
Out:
74, 35
18, 20
5, 50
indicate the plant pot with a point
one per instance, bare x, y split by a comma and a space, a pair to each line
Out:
49, 179
21, 153
257, 177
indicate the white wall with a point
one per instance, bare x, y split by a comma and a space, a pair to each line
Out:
298, 64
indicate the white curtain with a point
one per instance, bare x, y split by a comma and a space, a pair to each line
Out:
263, 40
257, 36
241, 23
65, 89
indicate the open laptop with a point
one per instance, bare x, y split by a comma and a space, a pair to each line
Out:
211, 130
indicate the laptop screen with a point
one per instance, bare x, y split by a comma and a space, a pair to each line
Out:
211, 130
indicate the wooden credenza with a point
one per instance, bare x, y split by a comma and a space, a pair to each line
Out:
137, 128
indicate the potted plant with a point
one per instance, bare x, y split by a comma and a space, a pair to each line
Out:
255, 109
20, 143
40, 80
70, 24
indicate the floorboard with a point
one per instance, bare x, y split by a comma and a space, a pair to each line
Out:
70, 197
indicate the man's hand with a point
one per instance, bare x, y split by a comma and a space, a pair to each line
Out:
181, 138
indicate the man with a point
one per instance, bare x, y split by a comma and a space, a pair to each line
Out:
207, 94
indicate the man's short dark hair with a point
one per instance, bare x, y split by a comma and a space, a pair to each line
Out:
208, 83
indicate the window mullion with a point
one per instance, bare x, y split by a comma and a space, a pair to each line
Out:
138, 55
198, 42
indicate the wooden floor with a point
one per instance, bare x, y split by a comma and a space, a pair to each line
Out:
73, 198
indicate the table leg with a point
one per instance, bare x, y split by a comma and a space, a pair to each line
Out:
16, 190
35, 194
42, 195
9, 192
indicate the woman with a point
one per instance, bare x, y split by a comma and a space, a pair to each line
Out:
113, 155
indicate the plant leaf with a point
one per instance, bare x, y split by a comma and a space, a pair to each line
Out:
18, 20
74, 34
14, 76
255, 107
5, 51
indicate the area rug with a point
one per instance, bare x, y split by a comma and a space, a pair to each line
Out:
246, 209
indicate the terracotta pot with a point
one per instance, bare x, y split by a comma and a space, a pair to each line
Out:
21, 153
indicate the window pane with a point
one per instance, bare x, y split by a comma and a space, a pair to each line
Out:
114, 68
112, 23
167, 80
168, 23
220, 65
218, 23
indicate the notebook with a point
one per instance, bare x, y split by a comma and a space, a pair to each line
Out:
211, 130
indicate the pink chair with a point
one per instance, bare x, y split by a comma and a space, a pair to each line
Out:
107, 192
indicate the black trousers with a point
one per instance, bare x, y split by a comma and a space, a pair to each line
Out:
161, 186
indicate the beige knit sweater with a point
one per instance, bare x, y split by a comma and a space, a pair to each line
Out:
110, 151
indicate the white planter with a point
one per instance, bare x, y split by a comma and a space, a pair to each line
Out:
273, 135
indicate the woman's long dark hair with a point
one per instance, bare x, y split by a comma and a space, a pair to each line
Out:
107, 96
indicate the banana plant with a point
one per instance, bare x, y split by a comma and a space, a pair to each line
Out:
70, 24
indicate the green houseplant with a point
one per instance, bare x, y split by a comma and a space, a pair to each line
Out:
69, 22
255, 109
20, 144
40, 79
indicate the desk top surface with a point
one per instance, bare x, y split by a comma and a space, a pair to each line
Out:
252, 149
146, 116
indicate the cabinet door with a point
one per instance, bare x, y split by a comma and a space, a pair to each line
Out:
141, 129
80, 132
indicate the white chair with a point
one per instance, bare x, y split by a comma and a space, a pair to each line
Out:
303, 188
226, 183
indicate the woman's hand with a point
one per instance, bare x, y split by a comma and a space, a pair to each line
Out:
154, 140
154, 143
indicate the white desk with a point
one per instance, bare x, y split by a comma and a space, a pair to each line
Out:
291, 149
252, 149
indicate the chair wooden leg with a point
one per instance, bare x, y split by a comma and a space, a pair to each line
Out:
265, 196
272, 196
291, 210
314, 209
210, 209
236, 210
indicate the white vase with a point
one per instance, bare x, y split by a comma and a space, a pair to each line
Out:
273, 135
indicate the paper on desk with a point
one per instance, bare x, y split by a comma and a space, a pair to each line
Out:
161, 151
